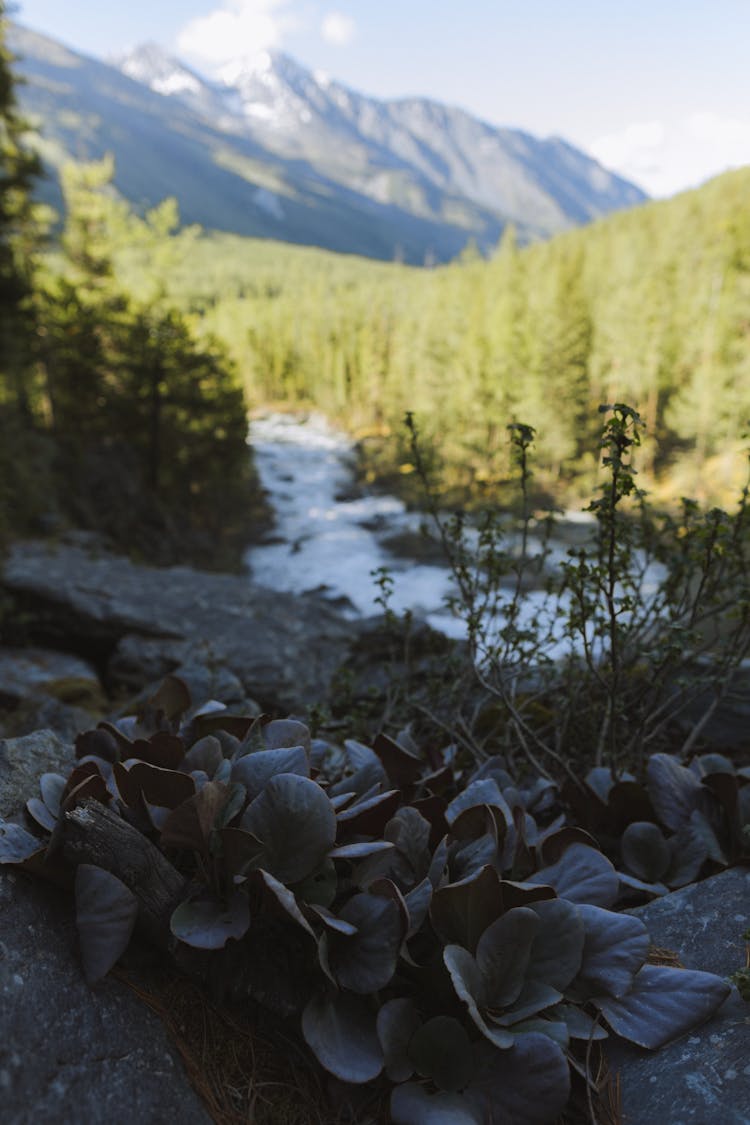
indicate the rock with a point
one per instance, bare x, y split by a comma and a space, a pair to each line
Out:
45, 688
69, 1053
705, 1076
29, 671
23, 761
143, 622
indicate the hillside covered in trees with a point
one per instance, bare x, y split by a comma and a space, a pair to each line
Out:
133, 348
648, 306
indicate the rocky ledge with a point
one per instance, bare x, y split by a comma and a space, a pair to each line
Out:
227, 637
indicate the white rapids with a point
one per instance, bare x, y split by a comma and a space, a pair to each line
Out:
325, 541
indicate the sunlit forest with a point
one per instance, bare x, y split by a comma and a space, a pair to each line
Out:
649, 307
134, 348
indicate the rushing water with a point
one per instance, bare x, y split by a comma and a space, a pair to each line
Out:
330, 536
324, 538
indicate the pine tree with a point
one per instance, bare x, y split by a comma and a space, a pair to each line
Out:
20, 492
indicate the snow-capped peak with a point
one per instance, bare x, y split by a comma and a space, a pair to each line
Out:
238, 71
152, 66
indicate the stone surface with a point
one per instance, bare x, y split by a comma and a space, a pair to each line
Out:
145, 622
29, 671
68, 1053
703, 1078
45, 688
22, 763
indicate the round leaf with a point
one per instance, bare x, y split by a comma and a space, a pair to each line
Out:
294, 821
644, 851
526, 1085
503, 953
396, 1023
52, 786
582, 874
461, 912
255, 770
557, 948
106, 912
411, 1104
615, 947
674, 790
341, 1032
469, 987
366, 961
663, 1004
16, 844
441, 1050
210, 924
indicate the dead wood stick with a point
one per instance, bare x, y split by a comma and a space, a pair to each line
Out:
94, 834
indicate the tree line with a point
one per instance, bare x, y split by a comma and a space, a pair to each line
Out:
113, 415
650, 306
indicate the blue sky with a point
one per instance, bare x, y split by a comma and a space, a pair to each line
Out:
659, 90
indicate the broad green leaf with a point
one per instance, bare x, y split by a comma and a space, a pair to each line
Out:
52, 787
341, 1032
361, 851
369, 816
396, 1024
441, 1050
461, 912
478, 793
469, 987
255, 770
295, 823
412, 1104
366, 961
529, 1084
282, 733
208, 924
557, 947
39, 812
580, 1024
106, 912
16, 844
663, 1004
582, 874
503, 953
283, 897
615, 947
205, 754
645, 852
675, 791
190, 824
535, 997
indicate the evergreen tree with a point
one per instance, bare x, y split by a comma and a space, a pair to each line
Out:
21, 454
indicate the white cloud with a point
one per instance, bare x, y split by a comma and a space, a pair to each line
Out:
338, 29
236, 28
666, 158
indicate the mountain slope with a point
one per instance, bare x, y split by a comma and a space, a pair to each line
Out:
273, 151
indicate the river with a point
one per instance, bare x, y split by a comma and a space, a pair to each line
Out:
330, 535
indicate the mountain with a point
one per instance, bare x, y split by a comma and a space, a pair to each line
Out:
272, 150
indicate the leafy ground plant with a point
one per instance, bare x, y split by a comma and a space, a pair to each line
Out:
630, 641
441, 933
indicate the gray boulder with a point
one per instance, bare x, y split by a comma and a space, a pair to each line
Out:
145, 622
22, 763
703, 1078
45, 688
69, 1053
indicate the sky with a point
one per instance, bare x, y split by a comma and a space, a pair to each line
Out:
657, 90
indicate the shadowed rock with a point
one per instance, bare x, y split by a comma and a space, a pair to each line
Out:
140, 623
703, 1078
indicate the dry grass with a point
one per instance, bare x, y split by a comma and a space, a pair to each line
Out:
246, 1071
668, 957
